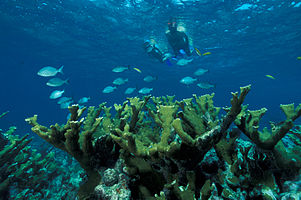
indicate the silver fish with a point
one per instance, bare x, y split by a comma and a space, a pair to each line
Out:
120, 69
66, 104
183, 61
145, 90
50, 71
200, 72
120, 81
129, 90
56, 82
205, 85
83, 100
188, 80
109, 89
63, 99
56, 94
150, 79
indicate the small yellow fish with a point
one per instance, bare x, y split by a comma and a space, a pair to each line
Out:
299, 58
138, 70
198, 51
207, 53
270, 76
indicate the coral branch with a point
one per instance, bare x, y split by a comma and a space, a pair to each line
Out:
248, 124
74, 141
207, 140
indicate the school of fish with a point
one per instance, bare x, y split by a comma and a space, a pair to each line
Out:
63, 101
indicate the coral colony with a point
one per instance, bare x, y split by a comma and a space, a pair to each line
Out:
159, 148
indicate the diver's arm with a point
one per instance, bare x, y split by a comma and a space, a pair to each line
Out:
157, 53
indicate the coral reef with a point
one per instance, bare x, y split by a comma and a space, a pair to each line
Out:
66, 184
75, 138
27, 174
114, 184
295, 135
178, 149
23, 170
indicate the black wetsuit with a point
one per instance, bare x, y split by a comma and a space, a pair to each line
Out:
153, 51
178, 40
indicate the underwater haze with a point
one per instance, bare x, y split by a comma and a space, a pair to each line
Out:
241, 42
91, 37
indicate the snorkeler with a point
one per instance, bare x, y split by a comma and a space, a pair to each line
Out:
178, 40
154, 51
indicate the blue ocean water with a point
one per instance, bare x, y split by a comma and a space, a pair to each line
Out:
247, 39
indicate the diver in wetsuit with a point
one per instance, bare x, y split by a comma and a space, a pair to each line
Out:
154, 51
178, 40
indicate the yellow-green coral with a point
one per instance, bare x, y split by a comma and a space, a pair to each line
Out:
164, 140
74, 140
226, 146
192, 146
249, 124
